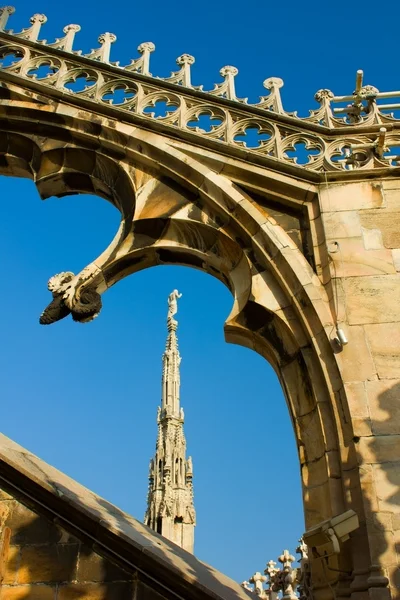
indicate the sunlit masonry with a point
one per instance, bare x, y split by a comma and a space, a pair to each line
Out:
300, 218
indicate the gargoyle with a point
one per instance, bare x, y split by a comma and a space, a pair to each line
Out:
84, 306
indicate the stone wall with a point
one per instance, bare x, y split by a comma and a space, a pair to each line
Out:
362, 228
39, 560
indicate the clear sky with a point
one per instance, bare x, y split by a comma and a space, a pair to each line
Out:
84, 397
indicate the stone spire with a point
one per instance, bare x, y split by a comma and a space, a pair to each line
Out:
170, 509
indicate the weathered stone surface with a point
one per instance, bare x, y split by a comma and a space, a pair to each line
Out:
392, 197
387, 480
352, 196
384, 406
92, 567
357, 399
384, 342
372, 299
396, 259
28, 592
372, 239
379, 448
95, 591
355, 360
48, 563
385, 222
342, 224
354, 259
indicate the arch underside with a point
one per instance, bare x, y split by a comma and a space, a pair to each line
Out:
176, 210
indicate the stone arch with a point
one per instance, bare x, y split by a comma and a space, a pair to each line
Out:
20, 156
184, 212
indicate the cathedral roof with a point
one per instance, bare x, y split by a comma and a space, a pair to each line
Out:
47, 490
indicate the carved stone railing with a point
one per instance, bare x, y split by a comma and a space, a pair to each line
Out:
358, 131
286, 583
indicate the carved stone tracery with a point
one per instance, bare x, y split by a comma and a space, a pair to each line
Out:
180, 105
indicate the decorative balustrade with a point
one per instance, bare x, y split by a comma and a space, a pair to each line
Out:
286, 583
358, 131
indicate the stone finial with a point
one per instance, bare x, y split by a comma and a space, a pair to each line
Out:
271, 569
185, 61
302, 549
323, 95
257, 579
145, 49
66, 43
368, 92
246, 585
103, 53
286, 559
229, 73
5, 12
274, 84
32, 33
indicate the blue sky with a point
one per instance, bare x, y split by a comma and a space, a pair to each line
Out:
84, 397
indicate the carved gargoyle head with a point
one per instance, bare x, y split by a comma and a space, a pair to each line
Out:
84, 306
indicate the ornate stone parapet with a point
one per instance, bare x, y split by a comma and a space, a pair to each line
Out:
359, 131
287, 582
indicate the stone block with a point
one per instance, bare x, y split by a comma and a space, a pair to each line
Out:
310, 434
392, 199
387, 483
355, 361
94, 568
361, 427
379, 448
396, 522
317, 504
391, 184
372, 239
381, 521
352, 196
343, 224
6, 508
384, 405
394, 578
396, 258
28, 527
28, 592
384, 342
353, 259
96, 591
9, 568
48, 563
357, 399
386, 222
382, 548
372, 299
314, 473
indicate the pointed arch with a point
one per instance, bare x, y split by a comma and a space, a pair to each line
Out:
175, 209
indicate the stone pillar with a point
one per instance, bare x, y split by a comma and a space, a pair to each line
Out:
362, 228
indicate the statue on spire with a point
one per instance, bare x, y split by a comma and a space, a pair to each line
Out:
173, 304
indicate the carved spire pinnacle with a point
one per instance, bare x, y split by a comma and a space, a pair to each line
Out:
170, 401
170, 509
